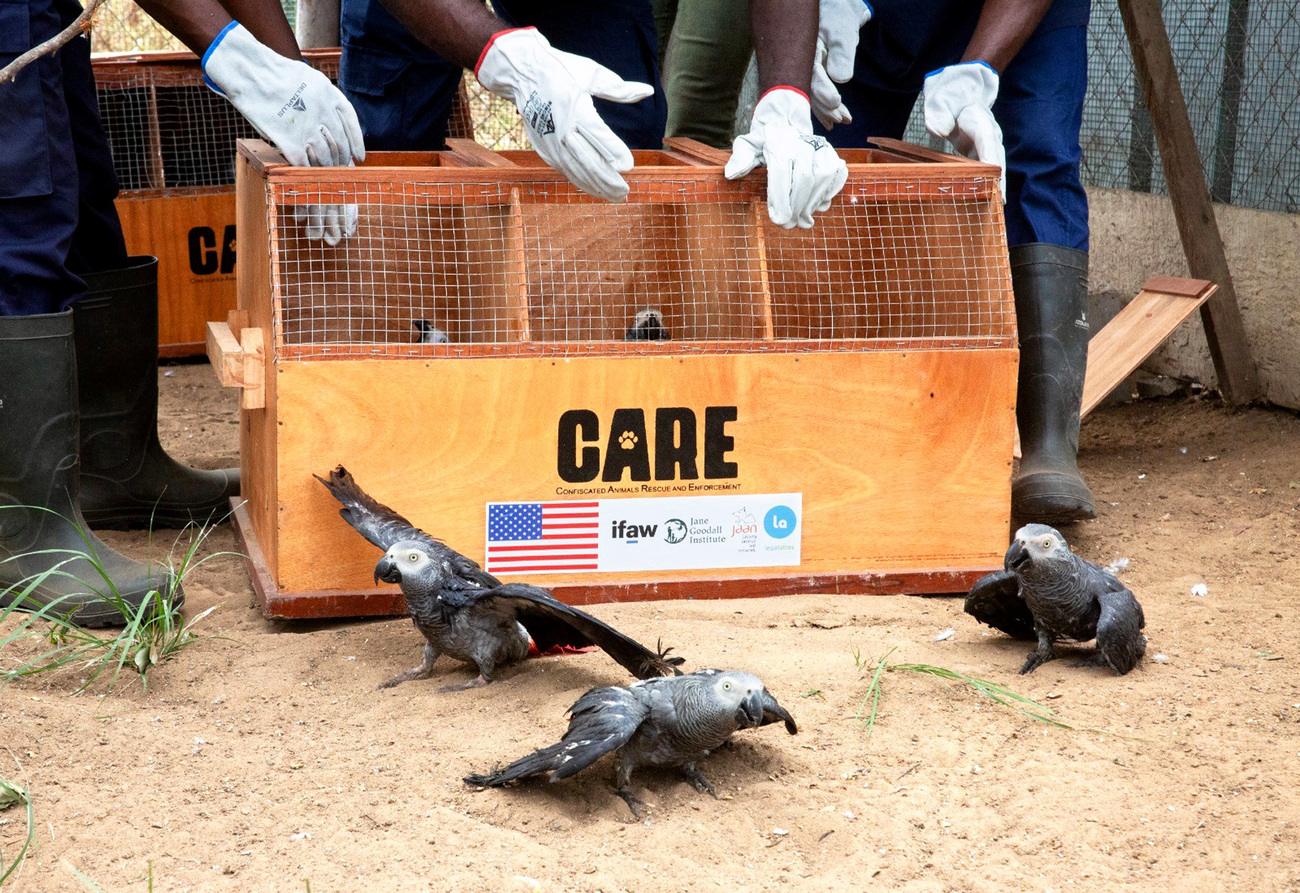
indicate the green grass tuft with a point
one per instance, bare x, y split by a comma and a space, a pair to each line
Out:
12, 795
154, 632
994, 691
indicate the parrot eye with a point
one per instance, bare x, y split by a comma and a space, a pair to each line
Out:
1047, 543
413, 557
726, 686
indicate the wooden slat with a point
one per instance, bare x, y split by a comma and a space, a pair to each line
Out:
477, 156
226, 355
253, 343
1202, 244
1137, 331
258, 429
758, 218
696, 150
921, 153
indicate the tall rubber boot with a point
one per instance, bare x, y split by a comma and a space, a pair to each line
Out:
38, 470
127, 479
1051, 290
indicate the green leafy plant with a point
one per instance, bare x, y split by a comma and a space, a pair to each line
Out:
153, 632
12, 795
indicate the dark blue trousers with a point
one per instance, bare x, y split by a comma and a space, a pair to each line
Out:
57, 182
1039, 105
403, 91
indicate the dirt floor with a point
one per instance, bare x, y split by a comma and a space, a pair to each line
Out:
268, 761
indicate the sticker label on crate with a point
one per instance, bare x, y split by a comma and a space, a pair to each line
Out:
644, 534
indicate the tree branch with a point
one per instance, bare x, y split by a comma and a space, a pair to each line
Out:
81, 24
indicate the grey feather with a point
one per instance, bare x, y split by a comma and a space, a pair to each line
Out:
669, 722
1068, 598
468, 614
995, 600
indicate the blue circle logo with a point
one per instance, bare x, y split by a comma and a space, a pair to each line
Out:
779, 522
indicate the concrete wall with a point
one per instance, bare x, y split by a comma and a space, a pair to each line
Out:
1134, 236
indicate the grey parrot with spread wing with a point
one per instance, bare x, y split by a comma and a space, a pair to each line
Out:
1047, 592
673, 721
470, 615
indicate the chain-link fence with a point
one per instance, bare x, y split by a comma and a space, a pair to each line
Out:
1239, 63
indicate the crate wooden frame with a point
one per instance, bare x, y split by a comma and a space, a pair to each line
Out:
942, 409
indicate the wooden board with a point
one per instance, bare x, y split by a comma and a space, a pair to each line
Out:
259, 486
910, 474
1135, 333
192, 233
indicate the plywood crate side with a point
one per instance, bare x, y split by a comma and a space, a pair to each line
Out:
924, 486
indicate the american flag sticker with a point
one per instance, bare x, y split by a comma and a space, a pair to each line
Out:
540, 537
640, 534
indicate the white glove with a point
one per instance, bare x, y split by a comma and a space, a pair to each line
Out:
295, 107
553, 91
959, 108
290, 103
803, 171
838, 24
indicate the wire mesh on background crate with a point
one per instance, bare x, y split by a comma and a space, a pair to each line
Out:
515, 260
209, 125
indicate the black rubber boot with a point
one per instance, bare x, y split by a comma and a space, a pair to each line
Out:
127, 480
1051, 289
38, 470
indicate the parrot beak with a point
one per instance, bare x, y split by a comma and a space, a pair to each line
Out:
772, 711
750, 714
387, 571
1017, 556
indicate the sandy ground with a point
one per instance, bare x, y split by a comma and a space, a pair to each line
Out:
268, 761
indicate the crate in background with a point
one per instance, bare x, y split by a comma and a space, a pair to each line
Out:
173, 143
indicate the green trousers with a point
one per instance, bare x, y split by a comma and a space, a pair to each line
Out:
705, 46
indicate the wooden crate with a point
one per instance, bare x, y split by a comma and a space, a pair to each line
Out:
854, 382
173, 143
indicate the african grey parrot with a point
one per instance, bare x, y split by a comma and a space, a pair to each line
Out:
1047, 592
647, 325
429, 333
673, 721
465, 612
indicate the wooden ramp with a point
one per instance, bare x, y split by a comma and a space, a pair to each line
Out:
1124, 343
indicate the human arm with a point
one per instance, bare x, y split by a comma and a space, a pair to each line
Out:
552, 89
959, 98
196, 23
803, 171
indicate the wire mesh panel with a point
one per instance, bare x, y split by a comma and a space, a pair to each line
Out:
449, 259
167, 130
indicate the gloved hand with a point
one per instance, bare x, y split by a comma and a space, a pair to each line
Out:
803, 171
959, 108
295, 107
839, 22
553, 91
